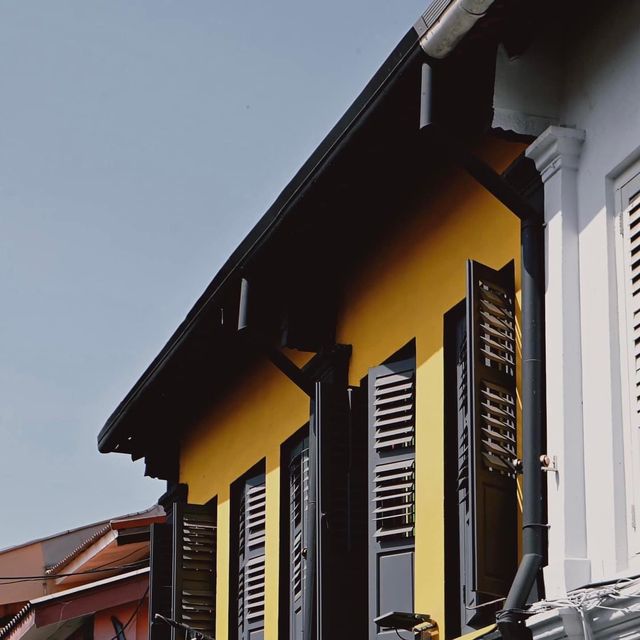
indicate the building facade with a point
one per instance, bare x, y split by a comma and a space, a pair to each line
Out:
90, 583
410, 394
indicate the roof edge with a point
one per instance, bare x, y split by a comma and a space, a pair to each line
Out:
356, 115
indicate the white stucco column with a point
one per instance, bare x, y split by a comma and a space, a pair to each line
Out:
556, 154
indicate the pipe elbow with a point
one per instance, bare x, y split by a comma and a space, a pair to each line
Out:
454, 23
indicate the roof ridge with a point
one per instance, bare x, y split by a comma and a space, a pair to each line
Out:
79, 549
16, 620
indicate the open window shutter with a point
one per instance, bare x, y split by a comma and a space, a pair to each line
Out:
630, 347
298, 527
251, 558
488, 444
630, 194
391, 490
160, 580
194, 567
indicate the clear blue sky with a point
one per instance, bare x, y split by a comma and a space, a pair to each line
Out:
140, 140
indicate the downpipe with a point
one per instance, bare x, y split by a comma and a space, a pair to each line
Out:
511, 619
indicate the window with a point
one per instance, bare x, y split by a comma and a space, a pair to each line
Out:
480, 447
183, 570
391, 402
248, 560
628, 211
294, 531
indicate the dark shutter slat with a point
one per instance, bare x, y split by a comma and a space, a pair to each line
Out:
251, 557
391, 490
489, 426
194, 567
298, 462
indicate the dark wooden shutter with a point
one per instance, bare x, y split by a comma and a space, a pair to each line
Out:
251, 558
298, 528
391, 490
488, 431
194, 567
160, 580
330, 424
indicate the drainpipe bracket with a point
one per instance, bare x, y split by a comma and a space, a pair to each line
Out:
549, 464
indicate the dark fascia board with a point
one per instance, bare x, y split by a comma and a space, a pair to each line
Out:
406, 51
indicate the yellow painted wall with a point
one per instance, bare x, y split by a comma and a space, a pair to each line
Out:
401, 293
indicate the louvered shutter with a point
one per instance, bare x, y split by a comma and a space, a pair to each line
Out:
160, 580
251, 558
487, 419
631, 232
194, 567
630, 346
298, 528
391, 490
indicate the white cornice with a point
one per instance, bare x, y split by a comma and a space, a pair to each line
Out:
556, 148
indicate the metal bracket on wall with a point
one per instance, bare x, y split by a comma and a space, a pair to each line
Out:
279, 359
450, 146
549, 463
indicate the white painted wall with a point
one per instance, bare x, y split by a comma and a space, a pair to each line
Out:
598, 93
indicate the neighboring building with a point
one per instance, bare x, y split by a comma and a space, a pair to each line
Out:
90, 583
447, 286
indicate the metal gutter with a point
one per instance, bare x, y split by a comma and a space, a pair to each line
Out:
446, 22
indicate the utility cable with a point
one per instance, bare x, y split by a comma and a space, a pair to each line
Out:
190, 631
132, 616
53, 576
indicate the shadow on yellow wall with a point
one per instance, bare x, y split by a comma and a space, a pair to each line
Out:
401, 292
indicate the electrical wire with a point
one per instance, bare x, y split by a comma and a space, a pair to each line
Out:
107, 564
54, 576
190, 632
132, 616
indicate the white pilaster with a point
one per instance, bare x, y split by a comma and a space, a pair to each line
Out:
556, 154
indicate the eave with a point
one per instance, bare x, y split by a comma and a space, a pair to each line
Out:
373, 158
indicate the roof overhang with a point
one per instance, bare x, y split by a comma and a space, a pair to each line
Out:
123, 542
370, 161
59, 614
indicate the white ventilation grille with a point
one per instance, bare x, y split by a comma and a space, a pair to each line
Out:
497, 328
394, 404
394, 498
